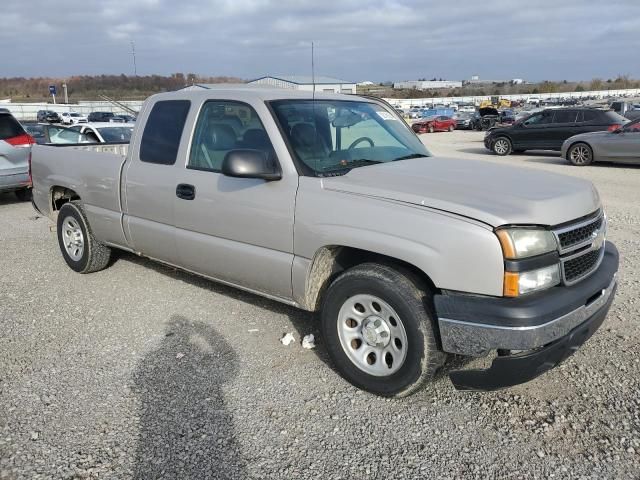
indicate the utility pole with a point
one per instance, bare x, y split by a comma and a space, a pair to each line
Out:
133, 54
66, 97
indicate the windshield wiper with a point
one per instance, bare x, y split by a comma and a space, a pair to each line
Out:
410, 156
347, 165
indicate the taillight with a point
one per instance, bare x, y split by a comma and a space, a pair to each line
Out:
613, 128
24, 140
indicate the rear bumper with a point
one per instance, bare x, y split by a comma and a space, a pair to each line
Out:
9, 183
547, 327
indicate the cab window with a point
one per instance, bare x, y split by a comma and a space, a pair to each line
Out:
224, 126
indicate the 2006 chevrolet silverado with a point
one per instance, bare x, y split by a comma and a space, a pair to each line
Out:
332, 204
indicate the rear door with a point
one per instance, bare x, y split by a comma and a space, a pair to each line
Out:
562, 127
149, 180
238, 230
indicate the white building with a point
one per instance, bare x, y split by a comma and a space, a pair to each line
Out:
428, 84
302, 82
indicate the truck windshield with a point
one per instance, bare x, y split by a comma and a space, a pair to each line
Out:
332, 137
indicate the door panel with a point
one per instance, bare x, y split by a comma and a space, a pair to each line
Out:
621, 147
239, 230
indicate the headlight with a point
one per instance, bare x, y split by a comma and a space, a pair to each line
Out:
519, 283
525, 242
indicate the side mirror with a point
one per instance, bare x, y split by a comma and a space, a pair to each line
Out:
246, 163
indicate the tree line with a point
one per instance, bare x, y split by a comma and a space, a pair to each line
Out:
90, 87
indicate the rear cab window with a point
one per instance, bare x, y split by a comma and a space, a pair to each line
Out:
162, 132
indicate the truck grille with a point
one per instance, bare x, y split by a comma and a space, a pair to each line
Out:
581, 247
579, 235
581, 266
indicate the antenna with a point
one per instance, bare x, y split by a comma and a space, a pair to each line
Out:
133, 54
313, 73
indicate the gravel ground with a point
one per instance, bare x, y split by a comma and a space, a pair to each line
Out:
140, 371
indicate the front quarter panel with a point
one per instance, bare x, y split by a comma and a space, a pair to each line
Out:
456, 253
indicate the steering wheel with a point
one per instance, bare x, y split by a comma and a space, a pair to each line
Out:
360, 140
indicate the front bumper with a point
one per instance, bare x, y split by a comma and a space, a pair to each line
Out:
547, 326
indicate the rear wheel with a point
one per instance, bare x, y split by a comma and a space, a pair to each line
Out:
377, 322
502, 146
451, 128
82, 252
580, 154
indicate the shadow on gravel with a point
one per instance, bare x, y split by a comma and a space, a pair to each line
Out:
302, 321
185, 430
9, 198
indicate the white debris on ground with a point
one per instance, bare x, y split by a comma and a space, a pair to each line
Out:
179, 355
309, 341
253, 330
287, 339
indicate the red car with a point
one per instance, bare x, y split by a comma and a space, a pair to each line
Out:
435, 124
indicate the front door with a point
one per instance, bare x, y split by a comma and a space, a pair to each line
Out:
238, 230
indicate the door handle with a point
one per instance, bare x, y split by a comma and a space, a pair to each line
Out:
185, 191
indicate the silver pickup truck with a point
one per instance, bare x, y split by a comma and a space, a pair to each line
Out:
332, 204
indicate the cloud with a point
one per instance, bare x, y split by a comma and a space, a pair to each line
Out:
355, 40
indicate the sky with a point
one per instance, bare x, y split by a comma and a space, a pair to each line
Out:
354, 40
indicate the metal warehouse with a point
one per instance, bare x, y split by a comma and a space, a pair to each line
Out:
302, 82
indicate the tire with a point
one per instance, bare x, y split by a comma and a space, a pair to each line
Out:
24, 194
580, 154
502, 146
401, 299
431, 129
451, 128
82, 252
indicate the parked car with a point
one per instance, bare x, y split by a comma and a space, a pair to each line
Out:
100, 117
405, 258
626, 109
15, 148
123, 119
621, 145
506, 117
464, 120
549, 128
438, 123
106, 132
415, 112
71, 118
48, 116
485, 118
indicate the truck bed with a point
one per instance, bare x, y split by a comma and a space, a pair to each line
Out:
91, 170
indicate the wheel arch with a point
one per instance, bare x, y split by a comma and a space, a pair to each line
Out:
574, 143
59, 195
331, 260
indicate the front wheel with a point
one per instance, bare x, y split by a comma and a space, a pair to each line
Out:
502, 146
431, 129
580, 155
82, 252
377, 322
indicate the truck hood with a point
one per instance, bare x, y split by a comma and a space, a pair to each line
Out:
491, 193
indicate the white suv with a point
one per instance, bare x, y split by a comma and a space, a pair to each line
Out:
72, 118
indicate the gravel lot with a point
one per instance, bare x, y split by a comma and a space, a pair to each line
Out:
140, 371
